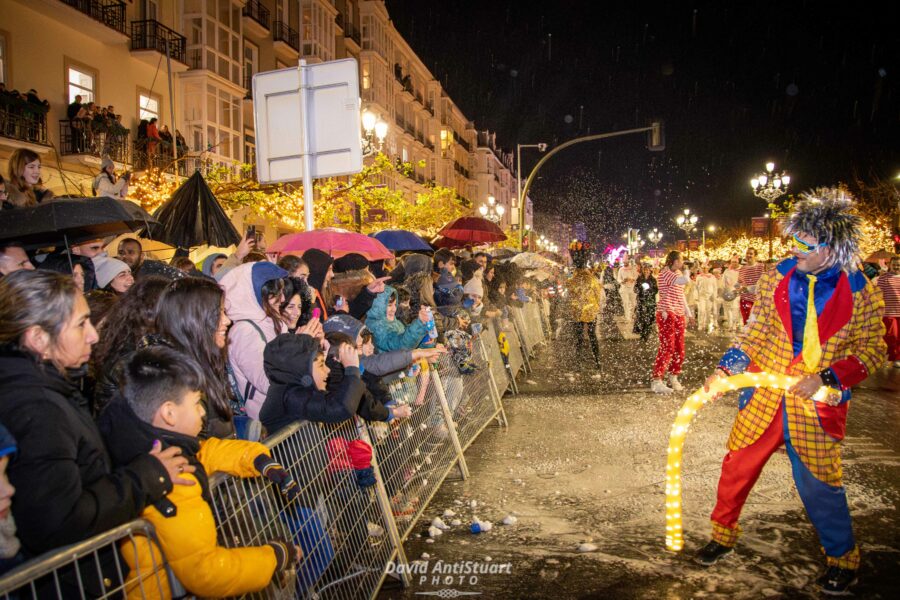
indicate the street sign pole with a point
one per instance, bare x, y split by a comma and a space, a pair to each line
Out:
308, 212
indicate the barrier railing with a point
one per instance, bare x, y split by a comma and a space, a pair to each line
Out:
93, 568
349, 535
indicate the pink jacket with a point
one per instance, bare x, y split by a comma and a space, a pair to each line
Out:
250, 331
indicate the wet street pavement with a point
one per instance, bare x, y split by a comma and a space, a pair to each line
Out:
581, 468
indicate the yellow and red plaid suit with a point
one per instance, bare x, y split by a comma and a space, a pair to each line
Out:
767, 343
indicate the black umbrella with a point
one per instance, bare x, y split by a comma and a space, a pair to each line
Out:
193, 217
67, 221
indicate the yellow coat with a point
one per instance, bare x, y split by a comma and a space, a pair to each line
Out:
585, 296
189, 541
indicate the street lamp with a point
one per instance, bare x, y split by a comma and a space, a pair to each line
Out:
687, 222
655, 237
374, 132
492, 211
770, 185
542, 147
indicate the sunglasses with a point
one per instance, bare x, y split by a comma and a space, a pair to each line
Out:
805, 248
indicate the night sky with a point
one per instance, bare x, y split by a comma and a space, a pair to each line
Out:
810, 85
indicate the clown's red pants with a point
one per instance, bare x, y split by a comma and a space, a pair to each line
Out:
892, 337
670, 355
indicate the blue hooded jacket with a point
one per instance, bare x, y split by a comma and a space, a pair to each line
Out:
392, 335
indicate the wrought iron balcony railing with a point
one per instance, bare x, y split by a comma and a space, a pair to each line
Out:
256, 11
109, 12
153, 35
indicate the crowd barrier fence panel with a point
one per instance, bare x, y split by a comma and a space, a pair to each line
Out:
516, 359
93, 568
470, 396
499, 366
534, 323
417, 454
339, 526
517, 325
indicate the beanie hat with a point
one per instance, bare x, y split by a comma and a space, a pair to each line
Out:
107, 268
343, 323
318, 263
262, 272
7, 442
475, 287
351, 262
106, 162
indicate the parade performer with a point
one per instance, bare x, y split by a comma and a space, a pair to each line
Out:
748, 278
585, 296
818, 319
890, 287
672, 314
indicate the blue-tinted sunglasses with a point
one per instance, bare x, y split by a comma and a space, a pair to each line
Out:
804, 248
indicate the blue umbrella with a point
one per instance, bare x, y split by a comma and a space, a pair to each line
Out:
398, 240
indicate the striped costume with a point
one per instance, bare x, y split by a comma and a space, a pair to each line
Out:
890, 287
849, 310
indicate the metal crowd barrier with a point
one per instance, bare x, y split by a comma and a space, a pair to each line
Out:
516, 358
348, 534
94, 568
342, 529
500, 371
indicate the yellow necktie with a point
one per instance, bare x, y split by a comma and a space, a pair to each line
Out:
812, 350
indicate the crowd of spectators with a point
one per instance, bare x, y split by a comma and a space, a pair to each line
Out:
96, 129
127, 381
155, 141
23, 116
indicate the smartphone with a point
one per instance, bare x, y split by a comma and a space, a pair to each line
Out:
316, 313
339, 302
251, 232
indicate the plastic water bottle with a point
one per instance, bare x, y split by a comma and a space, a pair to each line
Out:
432, 329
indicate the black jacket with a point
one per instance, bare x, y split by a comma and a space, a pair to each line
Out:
292, 394
66, 488
372, 405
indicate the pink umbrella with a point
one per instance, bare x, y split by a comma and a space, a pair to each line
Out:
335, 241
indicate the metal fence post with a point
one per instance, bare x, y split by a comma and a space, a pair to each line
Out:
451, 425
384, 503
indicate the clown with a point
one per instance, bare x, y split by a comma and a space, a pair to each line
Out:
819, 319
585, 299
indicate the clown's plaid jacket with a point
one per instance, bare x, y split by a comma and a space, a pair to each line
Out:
851, 332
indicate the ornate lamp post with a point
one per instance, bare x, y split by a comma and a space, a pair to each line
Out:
687, 223
655, 237
770, 186
492, 211
374, 132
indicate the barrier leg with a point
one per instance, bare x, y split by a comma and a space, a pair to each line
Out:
384, 504
451, 426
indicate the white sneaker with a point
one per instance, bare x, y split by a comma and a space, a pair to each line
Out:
675, 384
658, 387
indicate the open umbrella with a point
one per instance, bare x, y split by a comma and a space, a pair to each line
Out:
399, 240
472, 230
333, 240
533, 260
879, 255
444, 242
69, 221
193, 217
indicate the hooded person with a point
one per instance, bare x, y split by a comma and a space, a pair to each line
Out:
209, 267
420, 286
295, 367
253, 326
388, 332
320, 273
448, 291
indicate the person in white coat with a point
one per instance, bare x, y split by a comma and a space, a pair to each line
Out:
729, 284
707, 291
107, 184
626, 277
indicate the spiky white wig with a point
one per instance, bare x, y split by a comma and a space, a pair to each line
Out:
828, 215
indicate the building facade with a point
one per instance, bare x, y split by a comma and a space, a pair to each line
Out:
190, 63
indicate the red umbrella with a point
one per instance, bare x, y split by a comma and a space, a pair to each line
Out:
443, 242
473, 230
336, 242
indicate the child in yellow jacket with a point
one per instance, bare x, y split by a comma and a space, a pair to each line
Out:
161, 406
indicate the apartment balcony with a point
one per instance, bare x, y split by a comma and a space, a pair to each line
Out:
23, 125
287, 41
90, 143
150, 39
463, 143
351, 32
102, 20
256, 19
